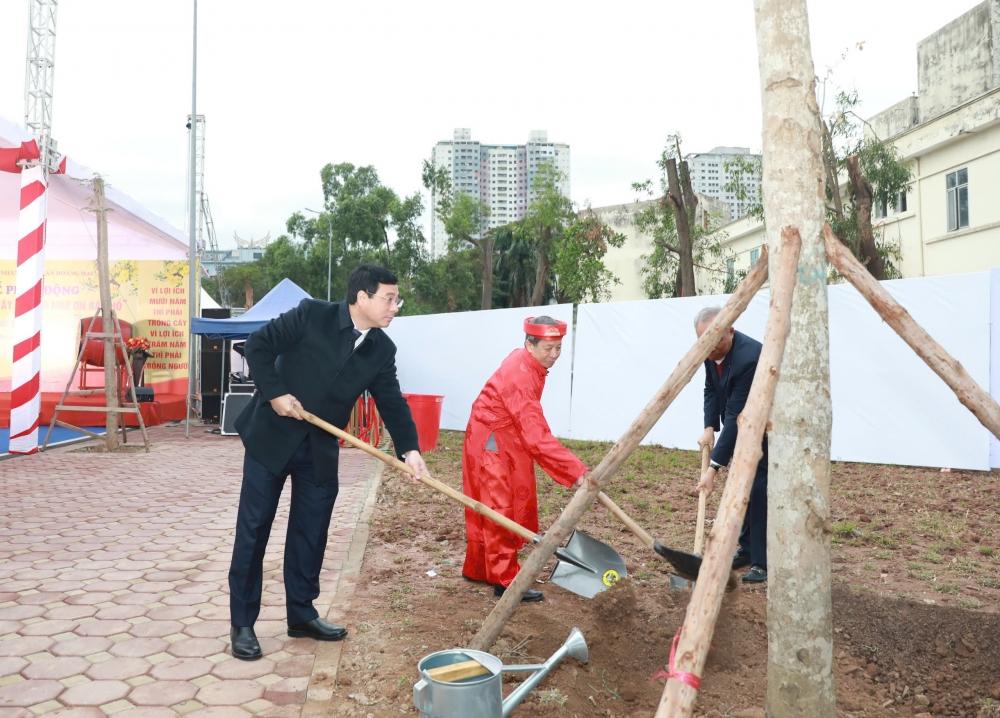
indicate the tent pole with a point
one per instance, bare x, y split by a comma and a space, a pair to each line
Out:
192, 249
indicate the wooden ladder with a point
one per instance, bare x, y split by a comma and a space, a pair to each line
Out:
126, 408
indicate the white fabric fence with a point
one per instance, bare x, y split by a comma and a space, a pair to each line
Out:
888, 406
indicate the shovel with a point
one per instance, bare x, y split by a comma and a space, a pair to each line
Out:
687, 565
585, 566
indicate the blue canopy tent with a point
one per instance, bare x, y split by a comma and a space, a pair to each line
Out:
284, 296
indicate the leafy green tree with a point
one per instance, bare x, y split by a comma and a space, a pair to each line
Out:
464, 218
876, 177
664, 267
579, 260
515, 266
548, 215
741, 171
450, 283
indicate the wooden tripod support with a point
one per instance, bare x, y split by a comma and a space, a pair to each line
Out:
129, 407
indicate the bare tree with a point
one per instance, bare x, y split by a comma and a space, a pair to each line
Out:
682, 202
800, 633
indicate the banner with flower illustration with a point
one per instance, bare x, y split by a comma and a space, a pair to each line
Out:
152, 295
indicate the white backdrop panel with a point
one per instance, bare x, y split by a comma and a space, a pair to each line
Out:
625, 352
888, 407
454, 354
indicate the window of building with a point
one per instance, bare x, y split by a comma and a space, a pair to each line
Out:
730, 270
754, 255
957, 187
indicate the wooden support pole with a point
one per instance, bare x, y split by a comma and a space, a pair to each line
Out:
975, 399
703, 609
585, 495
104, 283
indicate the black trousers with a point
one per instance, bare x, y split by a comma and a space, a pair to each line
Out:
753, 536
313, 496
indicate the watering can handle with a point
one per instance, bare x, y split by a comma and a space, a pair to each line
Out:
479, 508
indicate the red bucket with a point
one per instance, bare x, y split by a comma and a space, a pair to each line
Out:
426, 410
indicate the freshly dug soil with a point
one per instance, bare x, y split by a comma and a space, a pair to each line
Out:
916, 597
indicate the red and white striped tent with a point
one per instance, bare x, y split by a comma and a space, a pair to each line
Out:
68, 233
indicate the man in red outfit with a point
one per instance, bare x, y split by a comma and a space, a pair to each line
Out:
506, 435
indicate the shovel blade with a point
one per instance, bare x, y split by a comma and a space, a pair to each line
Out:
605, 566
686, 564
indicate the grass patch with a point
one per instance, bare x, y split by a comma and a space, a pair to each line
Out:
552, 697
986, 551
947, 588
845, 529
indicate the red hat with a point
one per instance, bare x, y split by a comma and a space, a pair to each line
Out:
544, 331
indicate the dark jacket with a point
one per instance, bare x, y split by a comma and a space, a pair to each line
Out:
307, 352
726, 396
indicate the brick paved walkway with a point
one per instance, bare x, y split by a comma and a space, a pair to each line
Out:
113, 584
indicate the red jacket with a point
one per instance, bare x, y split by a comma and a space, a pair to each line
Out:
509, 409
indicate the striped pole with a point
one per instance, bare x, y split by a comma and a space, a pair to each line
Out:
25, 396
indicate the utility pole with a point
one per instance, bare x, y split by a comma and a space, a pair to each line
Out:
192, 221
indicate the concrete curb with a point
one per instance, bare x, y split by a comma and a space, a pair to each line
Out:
324, 672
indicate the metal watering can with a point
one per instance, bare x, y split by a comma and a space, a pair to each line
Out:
461, 683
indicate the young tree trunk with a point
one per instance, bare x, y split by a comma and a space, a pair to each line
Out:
799, 620
685, 255
867, 251
248, 292
108, 326
486, 246
541, 268
830, 171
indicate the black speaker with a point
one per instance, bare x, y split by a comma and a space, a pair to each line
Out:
232, 405
216, 313
214, 367
211, 407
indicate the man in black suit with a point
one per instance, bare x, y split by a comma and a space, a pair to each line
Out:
318, 357
729, 372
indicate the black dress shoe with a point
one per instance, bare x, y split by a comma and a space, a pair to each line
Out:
741, 559
530, 596
244, 643
317, 629
756, 574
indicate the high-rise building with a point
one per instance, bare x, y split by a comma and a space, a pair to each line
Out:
712, 172
499, 176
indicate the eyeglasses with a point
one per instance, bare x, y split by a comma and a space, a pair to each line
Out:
395, 301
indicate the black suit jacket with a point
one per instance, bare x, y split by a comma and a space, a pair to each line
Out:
309, 352
726, 396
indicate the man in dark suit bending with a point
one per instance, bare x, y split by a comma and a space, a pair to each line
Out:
318, 357
729, 372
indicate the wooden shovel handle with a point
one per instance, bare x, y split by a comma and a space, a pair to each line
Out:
479, 508
699, 529
625, 519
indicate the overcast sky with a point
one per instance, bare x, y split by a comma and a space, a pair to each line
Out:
289, 86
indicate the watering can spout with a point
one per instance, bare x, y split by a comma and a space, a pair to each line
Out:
574, 646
